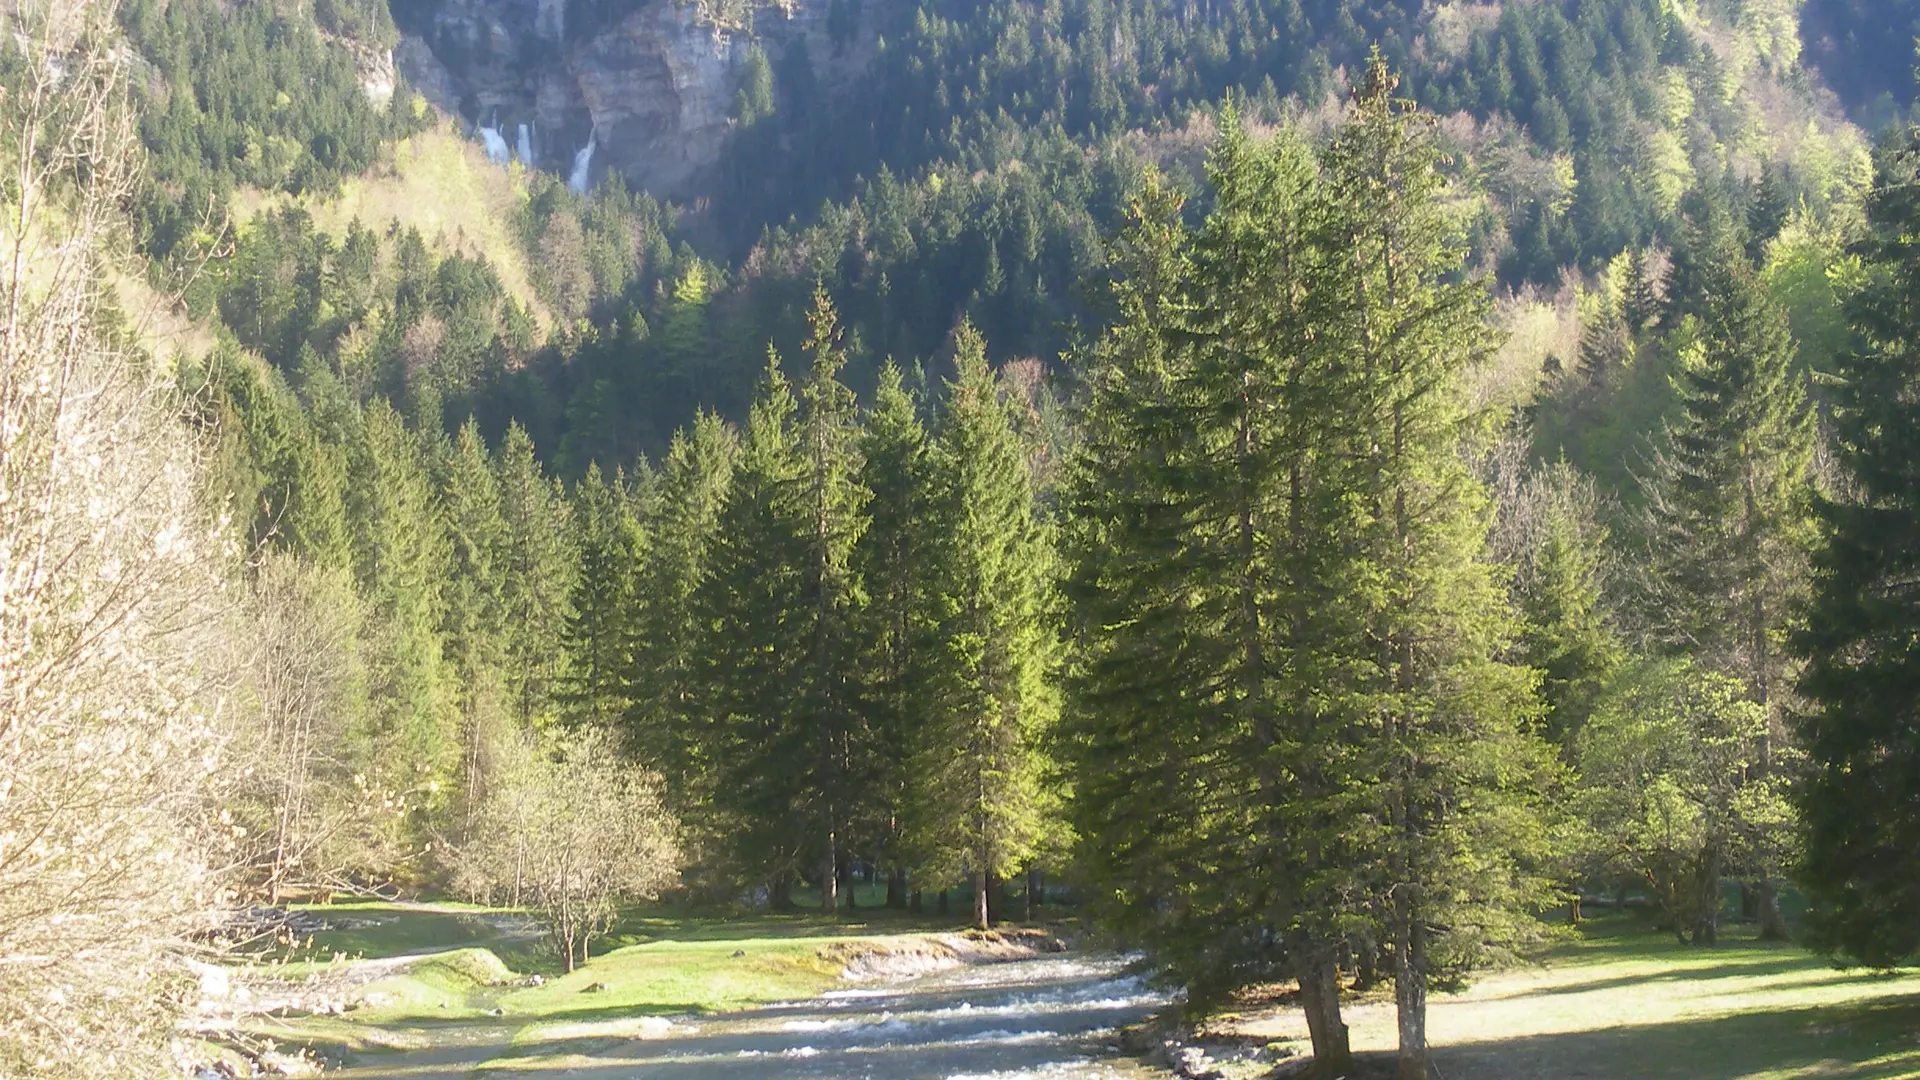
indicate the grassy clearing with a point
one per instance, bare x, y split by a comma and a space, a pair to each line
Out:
437, 182
1623, 1001
471, 1000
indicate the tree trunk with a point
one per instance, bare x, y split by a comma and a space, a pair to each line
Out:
915, 903
1706, 920
942, 906
1036, 890
1573, 908
996, 898
897, 888
1366, 964
852, 883
1410, 992
780, 894
981, 916
830, 879
1773, 925
1320, 1000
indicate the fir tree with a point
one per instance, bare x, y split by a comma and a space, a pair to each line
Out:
888, 560
1861, 802
664, 684
538, 565
473, 620
990, 650
599, 634
1460, 848
401, 563
1728, 511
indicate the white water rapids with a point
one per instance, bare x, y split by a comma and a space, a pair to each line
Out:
1050, 1018
1047, 1019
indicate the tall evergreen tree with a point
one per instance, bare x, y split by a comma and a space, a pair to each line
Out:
888, 560
538, 563
1861, 801
1211, 649
835, 506
1459, 850
474, 614
991, 650
599, 634
401, 564
664, 684
752, 607
1729, 510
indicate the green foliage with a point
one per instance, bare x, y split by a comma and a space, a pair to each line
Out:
1861, 829
251, 95
1665, 763
987, 702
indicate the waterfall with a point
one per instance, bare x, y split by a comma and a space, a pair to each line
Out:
495, 143
582, 165
526, 147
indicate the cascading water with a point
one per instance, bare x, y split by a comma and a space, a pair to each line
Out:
495, 142
579, 179
525, 146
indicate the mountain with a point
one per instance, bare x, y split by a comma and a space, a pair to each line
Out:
679, 177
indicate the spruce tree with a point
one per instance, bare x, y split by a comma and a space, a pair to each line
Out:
401, 563
752, 608
538, 563
1860, 805
990, 649
599, 635
835, 506
1728, 511
1458, 851
1207, 601
664, 684
888, 560
473, 618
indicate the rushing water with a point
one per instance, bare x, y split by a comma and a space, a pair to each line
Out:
1048, 1019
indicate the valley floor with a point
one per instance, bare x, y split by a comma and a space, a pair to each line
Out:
1620, 1001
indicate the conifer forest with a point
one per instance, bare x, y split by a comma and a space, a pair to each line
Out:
1385, 530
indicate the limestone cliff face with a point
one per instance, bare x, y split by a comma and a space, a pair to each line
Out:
655, 88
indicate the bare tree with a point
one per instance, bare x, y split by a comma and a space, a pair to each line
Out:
116, 600
577, 830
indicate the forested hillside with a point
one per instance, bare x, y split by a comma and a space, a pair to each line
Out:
1327, 482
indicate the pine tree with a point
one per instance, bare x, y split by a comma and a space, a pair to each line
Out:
537, 569
1203, 593
599, 634
990, 651
1729, 512
1861, 802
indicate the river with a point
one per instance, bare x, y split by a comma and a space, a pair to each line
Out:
1048, 1018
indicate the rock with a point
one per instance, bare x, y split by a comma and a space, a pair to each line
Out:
657, 87
1192, 1063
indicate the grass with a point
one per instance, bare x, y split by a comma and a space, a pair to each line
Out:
440, 183
1618, 1000
1624, 1001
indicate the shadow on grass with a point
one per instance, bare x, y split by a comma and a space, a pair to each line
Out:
1873, 1041
1812, 969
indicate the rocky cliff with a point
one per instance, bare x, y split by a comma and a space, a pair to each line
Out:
655, 85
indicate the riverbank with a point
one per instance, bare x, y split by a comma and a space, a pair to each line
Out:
390, 989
